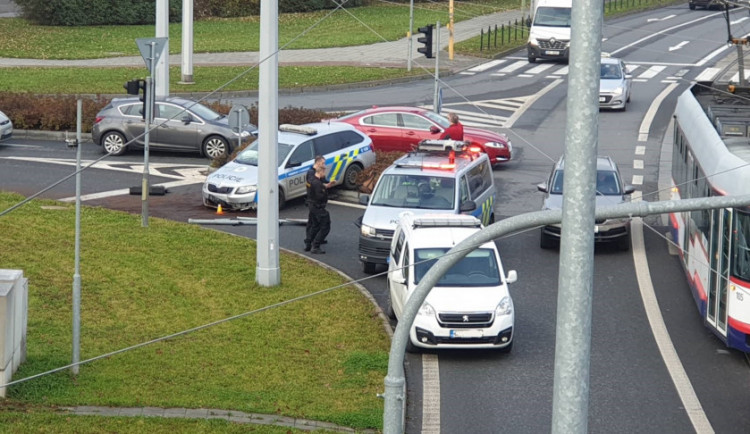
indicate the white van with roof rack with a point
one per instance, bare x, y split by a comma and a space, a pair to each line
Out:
470, 306
440, 176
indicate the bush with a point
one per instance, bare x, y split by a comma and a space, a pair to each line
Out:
90, 13
245, 8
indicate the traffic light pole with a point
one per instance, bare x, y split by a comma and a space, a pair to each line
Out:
437, 68
411, 35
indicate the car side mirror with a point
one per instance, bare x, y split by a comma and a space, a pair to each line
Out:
397, 276
293, 164
511, 277
187, 119
435, 130
542, 187
629, 189
628, 76
364, 199
468, 205
528, 21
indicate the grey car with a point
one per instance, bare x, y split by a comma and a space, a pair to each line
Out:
610, 190
179, 125
614, 84
6, 127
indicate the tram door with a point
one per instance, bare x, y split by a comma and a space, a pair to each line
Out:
721, 231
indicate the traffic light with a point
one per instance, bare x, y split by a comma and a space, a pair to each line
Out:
426, 40
134, 87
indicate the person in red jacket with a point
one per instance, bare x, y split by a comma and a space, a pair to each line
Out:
455, 131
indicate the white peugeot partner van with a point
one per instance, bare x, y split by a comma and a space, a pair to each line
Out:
425, 181
470, 307
549, 36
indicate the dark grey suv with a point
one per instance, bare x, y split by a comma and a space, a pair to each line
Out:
610, 190
179, 125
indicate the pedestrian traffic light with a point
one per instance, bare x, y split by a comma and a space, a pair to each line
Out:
426, 40
134, 87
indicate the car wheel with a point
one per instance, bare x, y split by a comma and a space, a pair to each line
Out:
545, 241
282, 199
508, 348
113, 143
215, 147
691, 6
410, 347
624, 243
389, 309
532, 59
492, 219
368, 267
350, 176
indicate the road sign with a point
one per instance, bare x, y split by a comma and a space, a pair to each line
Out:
239, 118
144, 45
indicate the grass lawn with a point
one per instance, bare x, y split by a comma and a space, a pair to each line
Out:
321, 358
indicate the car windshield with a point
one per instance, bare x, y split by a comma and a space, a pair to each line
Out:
607, 183
415, 191
353, 115
552, 17
203, 112
610, 72
478, 268
249, 155
438, 119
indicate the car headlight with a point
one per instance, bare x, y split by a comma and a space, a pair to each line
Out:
618, 90
245, 189
505, 307
367, 231
498, 145
533, 41
244, 134
426, 310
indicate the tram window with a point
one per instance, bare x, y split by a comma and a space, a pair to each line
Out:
741, 246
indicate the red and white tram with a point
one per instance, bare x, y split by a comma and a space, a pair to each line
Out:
711, 156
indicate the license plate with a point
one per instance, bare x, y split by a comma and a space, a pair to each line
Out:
552, 53
602, 99
467, 333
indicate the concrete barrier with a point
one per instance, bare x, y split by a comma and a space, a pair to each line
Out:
14, 302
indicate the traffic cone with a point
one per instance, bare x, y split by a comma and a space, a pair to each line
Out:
219, 210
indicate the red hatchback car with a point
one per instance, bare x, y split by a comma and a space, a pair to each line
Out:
401, 128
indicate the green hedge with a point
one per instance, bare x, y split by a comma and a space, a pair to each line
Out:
95, 12
127, 12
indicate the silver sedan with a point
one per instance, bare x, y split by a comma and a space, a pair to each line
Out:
615, 84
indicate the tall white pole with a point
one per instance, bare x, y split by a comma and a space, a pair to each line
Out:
411, 34
187, 42
162, 66
267, 272
435, 97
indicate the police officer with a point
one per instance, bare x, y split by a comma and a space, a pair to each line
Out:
318, 215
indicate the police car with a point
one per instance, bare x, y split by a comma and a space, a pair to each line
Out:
440, 176
470, 306
347, 152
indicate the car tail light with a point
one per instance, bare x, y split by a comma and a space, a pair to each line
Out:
98, 119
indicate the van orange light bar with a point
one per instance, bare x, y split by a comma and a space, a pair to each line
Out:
476, 149
442, 166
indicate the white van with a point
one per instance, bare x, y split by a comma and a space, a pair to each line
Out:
424, 181
549, 36
470, 306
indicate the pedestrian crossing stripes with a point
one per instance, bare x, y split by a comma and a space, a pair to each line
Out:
485, 113
524, 69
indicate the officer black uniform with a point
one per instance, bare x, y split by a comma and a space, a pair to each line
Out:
321, 219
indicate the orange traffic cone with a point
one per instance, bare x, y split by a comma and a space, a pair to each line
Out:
219, 210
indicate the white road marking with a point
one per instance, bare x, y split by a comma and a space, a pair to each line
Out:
539, 68
430, 394
517, 114
652, 71
562, 71
514, 66
637, 180
711, 55
485, 66
738, 21
678, 46
640, 150
660, 19
665, 32
708, 74
668, 353
651, 113
637, 164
